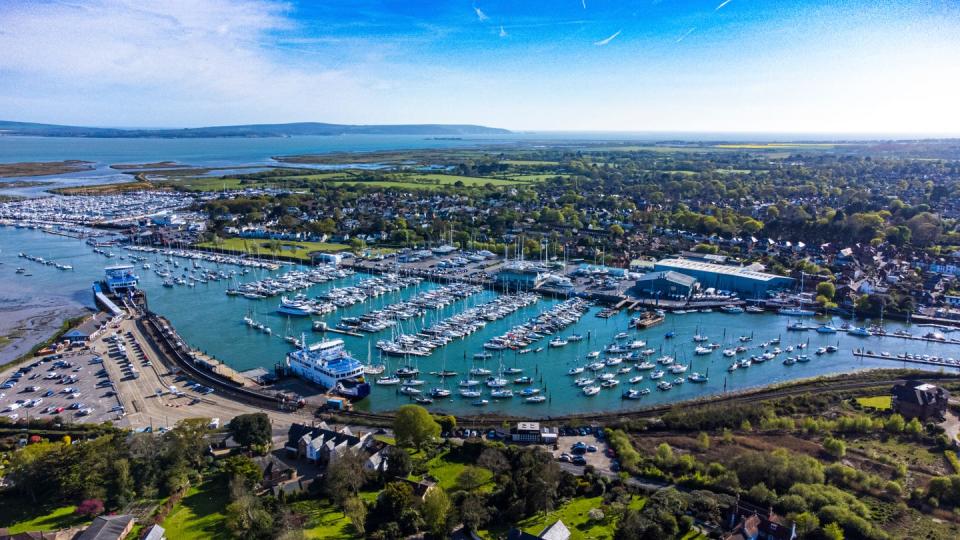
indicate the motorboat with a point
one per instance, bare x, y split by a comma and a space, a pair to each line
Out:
591, 390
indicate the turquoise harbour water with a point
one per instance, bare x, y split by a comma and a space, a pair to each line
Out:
212, 321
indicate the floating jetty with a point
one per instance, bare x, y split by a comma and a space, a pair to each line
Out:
907, 357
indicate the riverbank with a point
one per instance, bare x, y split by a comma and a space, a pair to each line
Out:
24, 327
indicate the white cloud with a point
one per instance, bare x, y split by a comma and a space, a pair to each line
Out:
205, 55
725, 2
481, 16
605, 41
503, 33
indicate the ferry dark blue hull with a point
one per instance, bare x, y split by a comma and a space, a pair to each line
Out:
354, 390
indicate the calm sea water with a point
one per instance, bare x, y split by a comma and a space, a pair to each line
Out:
206, 152
212, 321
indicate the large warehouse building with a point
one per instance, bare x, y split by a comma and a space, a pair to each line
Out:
743, 281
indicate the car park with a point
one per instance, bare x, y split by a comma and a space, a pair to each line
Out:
579, 460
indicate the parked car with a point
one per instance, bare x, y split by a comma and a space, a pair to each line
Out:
579, 460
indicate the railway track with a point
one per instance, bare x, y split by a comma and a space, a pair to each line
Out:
831, 385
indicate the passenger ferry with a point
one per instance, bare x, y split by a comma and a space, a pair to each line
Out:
328, 364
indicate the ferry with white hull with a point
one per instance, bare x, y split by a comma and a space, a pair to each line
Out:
329, 365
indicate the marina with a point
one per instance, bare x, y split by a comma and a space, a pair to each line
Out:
211, 321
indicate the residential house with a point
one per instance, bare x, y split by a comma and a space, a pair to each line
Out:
108, 528
555, 531
917, 399
748, 522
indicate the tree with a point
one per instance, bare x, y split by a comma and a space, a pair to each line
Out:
894, 424
395, 497
251, 429
913, 427
398, 462
835, 447
833, 532
473, 512
826, 289
703, 441
448, 422
90, 508
414, 426
436, 512
247, 518
356, 511
242, 469
616, 230
494, 460
345, 476
470, 478
806, 522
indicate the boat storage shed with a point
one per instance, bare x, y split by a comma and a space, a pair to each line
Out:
667, 285
741, 280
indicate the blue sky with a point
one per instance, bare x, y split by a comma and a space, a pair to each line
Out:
739, 65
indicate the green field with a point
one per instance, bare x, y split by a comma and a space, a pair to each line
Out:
21, 516
254, 246
198, 183
203, 184
535, 177
529, 162
200, 513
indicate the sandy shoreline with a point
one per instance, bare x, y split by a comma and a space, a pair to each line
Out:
23, 326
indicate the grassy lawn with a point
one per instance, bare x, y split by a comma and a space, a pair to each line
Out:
298, 250
446, 472
323, 520
200, 513
575, 516
877, 402
20, 516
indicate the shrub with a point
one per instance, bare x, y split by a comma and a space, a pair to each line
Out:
835, 447
90, 507
952, 458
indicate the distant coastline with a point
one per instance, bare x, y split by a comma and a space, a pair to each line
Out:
247, 130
